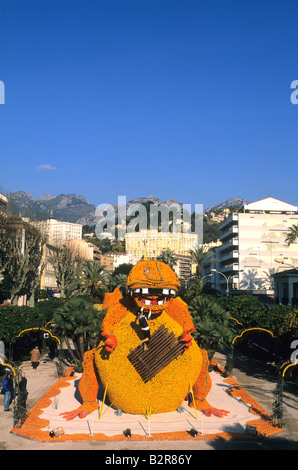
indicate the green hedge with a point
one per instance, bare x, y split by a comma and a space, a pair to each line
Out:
247, 309
14, 319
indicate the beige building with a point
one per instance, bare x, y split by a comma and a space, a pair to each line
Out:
3, 202
183, 268
84, 249
48, 277
150, 243
59, 232
112, 260
107, 260
252, 240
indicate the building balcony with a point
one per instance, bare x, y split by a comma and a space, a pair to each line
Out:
230, 232
227, 256
228, 221
223, 282
228, 246
234, 267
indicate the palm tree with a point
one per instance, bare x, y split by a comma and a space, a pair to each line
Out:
292, 234
168, 257
92, 280
197, 287
212, 324
120, 281
78, 321
201, 256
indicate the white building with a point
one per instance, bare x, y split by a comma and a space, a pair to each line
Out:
59, 232
124, 258
253, 239
286, 287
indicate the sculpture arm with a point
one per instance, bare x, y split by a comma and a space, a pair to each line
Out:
88, 388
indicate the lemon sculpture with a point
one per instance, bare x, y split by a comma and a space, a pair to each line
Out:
155, 365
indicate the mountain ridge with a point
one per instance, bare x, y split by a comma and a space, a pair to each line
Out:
230, 202
77, 209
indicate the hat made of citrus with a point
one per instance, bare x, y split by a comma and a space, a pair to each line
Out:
151, 273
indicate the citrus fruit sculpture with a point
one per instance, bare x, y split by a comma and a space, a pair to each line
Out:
159, 376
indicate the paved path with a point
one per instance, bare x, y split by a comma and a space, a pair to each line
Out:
38, 382
257, 378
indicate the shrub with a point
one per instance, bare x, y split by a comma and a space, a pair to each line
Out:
15, 319
212, 322
245, 308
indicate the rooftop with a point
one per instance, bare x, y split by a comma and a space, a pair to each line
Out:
286, 272
270, 204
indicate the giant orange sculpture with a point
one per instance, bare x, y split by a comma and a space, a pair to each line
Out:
159, 377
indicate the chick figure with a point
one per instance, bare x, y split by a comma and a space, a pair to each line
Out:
152, 290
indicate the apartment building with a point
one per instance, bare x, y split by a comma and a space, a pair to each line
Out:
252, 245
3, 202
150, 243
59, 232
112, 260
48, 277
84, 249
183, 269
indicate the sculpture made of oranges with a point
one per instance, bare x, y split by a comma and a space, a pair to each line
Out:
152, 290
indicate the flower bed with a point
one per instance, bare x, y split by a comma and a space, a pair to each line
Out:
34, 426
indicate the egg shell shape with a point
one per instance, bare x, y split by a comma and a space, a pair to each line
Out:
125, 388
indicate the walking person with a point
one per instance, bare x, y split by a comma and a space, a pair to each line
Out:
35, 357
22, 397
7, 391
20, 410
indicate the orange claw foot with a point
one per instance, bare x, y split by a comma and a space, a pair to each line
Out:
215, 412
208, 410
69, 415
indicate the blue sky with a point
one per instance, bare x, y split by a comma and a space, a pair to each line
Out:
184, 99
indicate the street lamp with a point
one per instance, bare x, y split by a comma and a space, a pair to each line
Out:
206, 275
281, 261
227, 278
194, 276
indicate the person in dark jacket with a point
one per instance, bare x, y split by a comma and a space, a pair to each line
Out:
22, 397
7, 390
143, 322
